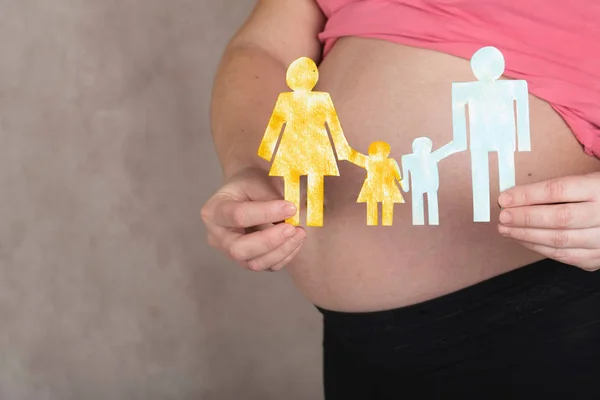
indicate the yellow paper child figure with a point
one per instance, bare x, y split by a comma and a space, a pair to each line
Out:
305, 148
381, 183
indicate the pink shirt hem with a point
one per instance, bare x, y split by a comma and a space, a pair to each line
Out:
555, 48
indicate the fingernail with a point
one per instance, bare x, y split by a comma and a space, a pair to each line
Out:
506, 217
289, 231
505, 199
289, 209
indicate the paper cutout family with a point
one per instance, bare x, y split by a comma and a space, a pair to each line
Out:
301, 118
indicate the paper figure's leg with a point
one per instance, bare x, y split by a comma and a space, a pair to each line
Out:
506, 168
432, 208
372, 216
480, 171
418, 213
291, 187
315, 194
387, 214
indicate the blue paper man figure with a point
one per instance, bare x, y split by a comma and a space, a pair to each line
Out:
493, 106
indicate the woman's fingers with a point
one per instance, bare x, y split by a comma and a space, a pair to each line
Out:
558, 216
246, 214
279, 266
228, 222
586, 259
270, 248
552, 191
555, 238
278, 258
222, 238
256, 244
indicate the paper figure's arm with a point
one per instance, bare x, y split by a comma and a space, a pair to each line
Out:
342, 148
522, 100
397, 173
357, 158
269, 140
405, 183
445, 151
459, 123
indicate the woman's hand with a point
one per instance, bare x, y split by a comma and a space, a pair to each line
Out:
242, 220
558, 218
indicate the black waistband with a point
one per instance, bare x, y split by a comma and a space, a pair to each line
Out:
515, 294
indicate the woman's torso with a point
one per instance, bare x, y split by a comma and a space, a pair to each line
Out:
385, 91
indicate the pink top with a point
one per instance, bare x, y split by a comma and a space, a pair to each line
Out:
554, 45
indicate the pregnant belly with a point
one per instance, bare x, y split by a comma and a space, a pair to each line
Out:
384, 91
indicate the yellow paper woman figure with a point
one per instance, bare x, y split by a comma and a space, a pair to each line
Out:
381, 183
305, 148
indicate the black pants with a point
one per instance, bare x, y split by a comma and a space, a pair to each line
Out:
533, 333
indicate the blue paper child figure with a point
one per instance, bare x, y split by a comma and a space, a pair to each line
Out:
420, 170
492, 113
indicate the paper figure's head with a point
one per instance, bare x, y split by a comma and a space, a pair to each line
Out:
302, 74
379, 150
487, 64
422, 145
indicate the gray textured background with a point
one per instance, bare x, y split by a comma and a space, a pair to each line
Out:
107, 288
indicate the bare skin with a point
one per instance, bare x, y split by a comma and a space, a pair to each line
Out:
397, 94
